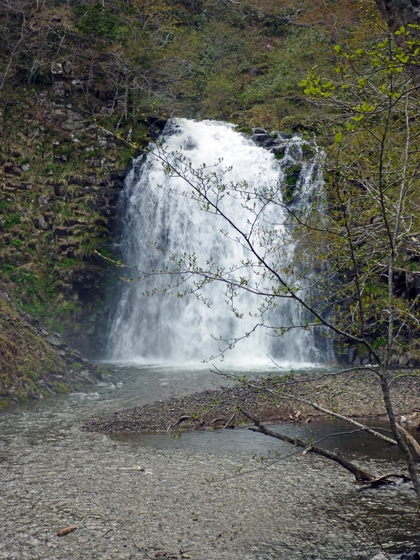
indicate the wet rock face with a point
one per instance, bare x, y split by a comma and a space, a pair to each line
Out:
51, 223
60, 178
92, 288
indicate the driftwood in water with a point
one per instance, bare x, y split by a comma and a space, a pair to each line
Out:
361, 476
66, 531
384, 479
283, 395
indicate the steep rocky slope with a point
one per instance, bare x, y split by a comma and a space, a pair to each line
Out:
60, 180
34, 362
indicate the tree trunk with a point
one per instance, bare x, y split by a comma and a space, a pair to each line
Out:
399, 438
399, 13
402, 13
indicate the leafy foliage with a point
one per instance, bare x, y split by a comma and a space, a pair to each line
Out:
370, 234
200, 58
97, 20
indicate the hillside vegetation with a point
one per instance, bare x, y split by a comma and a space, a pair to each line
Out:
195, 58
79, 78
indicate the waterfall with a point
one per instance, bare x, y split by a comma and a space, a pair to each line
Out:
162, 219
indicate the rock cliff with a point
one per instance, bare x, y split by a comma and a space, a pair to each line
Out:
60, 178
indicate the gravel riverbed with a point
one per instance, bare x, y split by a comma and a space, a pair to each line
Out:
137, 502
351, 395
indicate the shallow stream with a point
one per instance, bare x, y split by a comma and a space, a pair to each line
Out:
229, 494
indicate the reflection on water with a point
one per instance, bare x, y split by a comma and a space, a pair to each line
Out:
337, 434
50, 428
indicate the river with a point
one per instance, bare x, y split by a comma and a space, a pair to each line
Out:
229, 494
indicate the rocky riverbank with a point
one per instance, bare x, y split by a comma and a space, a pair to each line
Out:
34, 362
355, 395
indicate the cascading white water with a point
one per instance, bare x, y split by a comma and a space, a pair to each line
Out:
160, 212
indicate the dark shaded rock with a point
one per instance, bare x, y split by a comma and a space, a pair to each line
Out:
261, 138
117, 175
410, 555
76, 181
53, 340
284, 135
278, 149
11, 169
259, 131
63, 232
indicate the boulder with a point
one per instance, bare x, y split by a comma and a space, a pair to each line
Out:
53, 340
56, 69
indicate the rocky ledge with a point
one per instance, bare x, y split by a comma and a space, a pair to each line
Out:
354, 395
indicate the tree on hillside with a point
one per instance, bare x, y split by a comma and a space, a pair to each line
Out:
399, 13
365, 228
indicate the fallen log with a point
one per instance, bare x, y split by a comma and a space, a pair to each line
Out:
359, 474
362, 477
384, 479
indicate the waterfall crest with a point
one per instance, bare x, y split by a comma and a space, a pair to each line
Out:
163, 327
